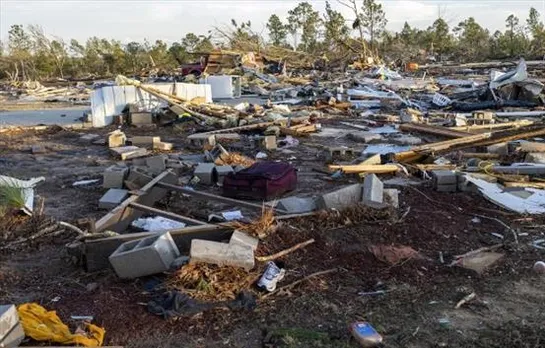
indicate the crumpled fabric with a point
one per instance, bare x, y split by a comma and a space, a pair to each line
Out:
174, 304
42, 325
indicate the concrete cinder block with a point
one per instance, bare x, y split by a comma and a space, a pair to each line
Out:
222, 254
447, 188
129, 152
157, 164
116, 139
14, 337
222, 172
114, 177
206, 172
535, 157
373, 189
296, 205
144, 141
444, 177
270, 142
112, 198
163, 146
201, 139
138, 118
139, 258
8, 319
243, 239
341, 198
391, 196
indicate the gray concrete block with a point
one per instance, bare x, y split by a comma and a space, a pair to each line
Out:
444, 177
141, 118
112, 198
222, 254
201, 139
296, 205
206, 172
8, 319
373, 189
391, 196
129, 152
341, 198
14, 337
114, 177
499, 149
244, 239
222, 172
157, 164
447, 188
139, 258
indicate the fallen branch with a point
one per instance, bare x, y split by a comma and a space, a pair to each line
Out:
502, 223
284, 252
297, 282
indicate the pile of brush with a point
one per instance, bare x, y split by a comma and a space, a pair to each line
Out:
210, 282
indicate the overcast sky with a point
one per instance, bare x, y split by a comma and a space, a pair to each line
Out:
170, 20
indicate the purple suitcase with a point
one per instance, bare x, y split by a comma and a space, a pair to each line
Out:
263, 181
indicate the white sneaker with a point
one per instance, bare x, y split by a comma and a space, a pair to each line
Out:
272, 275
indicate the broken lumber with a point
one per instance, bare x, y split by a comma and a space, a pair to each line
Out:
365, 168
536, 185
473, 128
436, 130
213, 197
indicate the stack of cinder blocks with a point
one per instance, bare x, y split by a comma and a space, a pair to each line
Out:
11, 330
139, 258
239, 252
445, 180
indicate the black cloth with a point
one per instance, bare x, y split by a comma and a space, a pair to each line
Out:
174, 304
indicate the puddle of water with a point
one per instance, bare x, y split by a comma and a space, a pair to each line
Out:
38, 117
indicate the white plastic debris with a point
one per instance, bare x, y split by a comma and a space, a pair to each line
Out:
232, 215
261, 155
85, 182
441, 100
157, 223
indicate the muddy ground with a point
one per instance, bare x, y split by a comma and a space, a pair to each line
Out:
509, 310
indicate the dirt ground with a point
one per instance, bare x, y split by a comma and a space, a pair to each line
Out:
509, 310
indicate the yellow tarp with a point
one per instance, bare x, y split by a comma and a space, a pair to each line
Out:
42, 325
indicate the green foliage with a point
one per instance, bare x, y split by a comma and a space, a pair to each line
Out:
278, 32
30, 53
304, 23
372, 19
11, 197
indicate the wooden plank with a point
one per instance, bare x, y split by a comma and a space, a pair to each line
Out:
213, 197
426, 167
491, 126
362, 168
537, 185
96, 252
165, 214
436, 130
119, 218
480, 155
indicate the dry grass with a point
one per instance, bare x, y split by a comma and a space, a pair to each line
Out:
210, 282
260, 227
234, 159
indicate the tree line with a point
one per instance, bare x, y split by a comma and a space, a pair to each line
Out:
29, 53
